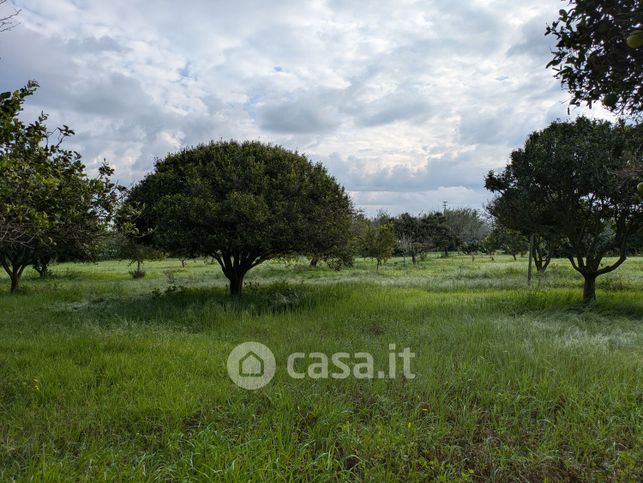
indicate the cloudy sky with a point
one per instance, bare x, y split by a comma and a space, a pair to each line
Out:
407, 103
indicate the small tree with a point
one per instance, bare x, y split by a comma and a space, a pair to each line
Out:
379, 242
241, 204
511, 242
542, 252
438, 233
137, 253
411, 235
467, 225
472, 248
576, 182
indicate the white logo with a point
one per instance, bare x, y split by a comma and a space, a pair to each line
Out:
251, 365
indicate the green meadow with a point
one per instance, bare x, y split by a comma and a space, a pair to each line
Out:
103, 377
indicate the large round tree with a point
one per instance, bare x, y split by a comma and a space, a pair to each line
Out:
242, 204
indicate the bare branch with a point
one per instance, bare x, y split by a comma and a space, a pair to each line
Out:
8, 22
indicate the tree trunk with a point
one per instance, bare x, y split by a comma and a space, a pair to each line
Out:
413, 259
14, 268
446, 252
14, 274
236, 282
514, 255
41, 265
15, 278
313, 262
43, 269
543, 264
589, 289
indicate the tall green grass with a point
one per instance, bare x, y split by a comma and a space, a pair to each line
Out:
107, 378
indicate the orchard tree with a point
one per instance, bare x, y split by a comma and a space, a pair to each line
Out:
379, 242
48, 205
467, 225
240, 204
411, 235
440, 235
522, 215
137, 253
330, 242
542, 251
511, 242
472, 247
599, 53
82, 218
582, 176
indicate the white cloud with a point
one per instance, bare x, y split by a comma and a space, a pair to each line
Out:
408, 103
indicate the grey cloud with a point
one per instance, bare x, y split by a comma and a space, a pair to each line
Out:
92, 45
116, 96
532, 40
499, 127
397, 107
462, 170
405, 91
306, 115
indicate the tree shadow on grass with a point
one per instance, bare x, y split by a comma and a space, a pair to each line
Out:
609, 304
197, 309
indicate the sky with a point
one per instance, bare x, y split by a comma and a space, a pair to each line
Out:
407, 103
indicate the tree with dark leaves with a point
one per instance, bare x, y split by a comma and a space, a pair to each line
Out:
48, 204
241, 204
575, 182
599, 53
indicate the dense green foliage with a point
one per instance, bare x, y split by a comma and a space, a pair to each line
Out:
574, 184
242, 204
467, 225
49, 208
378, 242
511, 242
104, 377
599, 53
461, 229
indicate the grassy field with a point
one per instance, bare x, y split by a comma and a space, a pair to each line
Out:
105, 377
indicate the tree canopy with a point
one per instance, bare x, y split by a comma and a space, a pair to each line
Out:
575, 182
599, 53
378, 240
242, 204
48, 204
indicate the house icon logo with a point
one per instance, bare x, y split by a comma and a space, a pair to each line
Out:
251, 365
